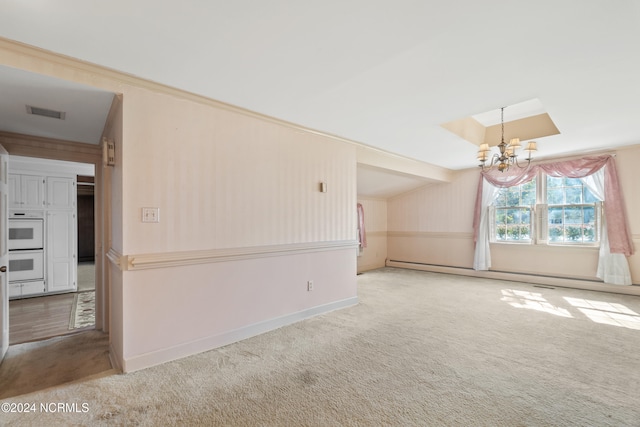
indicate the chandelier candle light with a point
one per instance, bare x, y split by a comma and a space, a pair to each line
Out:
507, 156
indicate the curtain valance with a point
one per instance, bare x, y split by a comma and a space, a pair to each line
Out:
618, 229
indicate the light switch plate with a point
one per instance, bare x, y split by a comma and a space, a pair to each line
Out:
150, 214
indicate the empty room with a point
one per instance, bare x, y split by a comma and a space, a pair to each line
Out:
325, 213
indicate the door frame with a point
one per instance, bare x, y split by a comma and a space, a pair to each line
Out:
4, 251
53, 149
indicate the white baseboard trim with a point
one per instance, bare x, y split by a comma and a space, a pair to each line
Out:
154, 358
519, 277
115, 363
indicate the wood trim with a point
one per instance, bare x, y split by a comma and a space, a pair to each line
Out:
177, 259
23, 56
49, 148
116, 258
118, 78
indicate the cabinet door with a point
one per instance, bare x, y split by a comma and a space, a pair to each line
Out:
61, 251
26, 191
32, 189
61, 193
15, 290
15, 195
32, 288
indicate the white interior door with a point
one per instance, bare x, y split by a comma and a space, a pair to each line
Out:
4, 250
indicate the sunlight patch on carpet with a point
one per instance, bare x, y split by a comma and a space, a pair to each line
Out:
532, 301
608, 313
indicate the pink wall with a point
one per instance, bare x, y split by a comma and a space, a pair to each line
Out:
375, 219
434, 225
224, 180
174, 312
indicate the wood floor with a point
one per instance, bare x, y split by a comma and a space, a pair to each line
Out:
34, 319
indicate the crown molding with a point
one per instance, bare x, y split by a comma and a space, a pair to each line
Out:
30, 58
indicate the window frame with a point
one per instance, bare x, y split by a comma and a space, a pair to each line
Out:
539, 220
493, 212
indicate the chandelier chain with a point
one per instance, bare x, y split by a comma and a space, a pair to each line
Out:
502, 121
506, 156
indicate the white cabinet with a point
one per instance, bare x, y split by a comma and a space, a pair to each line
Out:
24, 289
61, 244
61, 193
61, 251
53, 195
26, 191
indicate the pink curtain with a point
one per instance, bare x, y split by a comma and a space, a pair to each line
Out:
362, 234
617, 225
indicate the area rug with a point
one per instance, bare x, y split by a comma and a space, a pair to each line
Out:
83, 313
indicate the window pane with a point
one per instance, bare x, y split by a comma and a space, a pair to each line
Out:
513, 232
529, 197
555, 215
589, 233
589, 197
573, 234
500, 199
513, 216
589, 215
513, 197
573, 215
501, 232
555, 196
513, 212
553, 182
573, 195
572, 211
573, 181
556, 234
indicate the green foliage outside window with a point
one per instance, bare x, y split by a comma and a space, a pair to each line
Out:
513, 212
571, 214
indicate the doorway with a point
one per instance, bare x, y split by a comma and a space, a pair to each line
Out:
59, 311
90, 114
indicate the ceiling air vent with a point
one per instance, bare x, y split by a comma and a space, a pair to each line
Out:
37, 111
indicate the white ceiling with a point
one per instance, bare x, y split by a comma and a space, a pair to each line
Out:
382, 73
86, 109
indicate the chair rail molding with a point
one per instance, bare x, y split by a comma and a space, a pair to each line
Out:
175, 259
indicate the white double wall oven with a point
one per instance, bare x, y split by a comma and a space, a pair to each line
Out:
26, 247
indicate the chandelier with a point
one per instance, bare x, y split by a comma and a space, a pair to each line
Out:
507, 156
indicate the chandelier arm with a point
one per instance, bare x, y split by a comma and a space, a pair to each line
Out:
528, 159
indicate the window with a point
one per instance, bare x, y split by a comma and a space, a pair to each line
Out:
573, 212
514, 213
565, 211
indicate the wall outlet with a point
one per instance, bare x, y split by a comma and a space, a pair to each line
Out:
310, 285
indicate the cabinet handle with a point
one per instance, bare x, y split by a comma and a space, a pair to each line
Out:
3, 269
